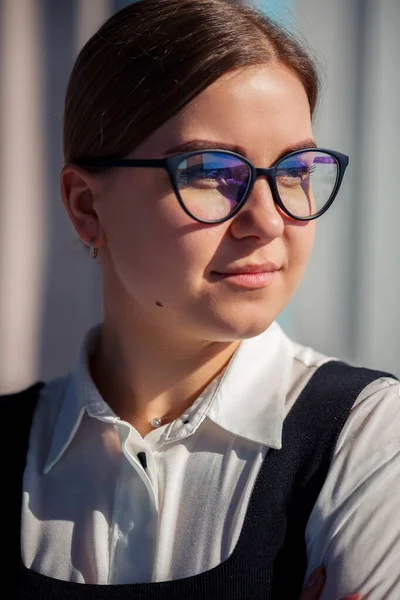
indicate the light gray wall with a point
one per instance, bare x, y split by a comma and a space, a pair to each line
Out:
349, 302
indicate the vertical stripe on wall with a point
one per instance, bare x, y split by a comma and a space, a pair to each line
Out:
22, 210
90, 16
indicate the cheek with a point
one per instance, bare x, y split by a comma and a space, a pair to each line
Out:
131, 216
153, 246
300, 242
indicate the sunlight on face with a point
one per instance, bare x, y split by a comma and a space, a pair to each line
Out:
156, 254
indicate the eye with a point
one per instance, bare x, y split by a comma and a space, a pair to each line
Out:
297, 171
216, 174
294, 174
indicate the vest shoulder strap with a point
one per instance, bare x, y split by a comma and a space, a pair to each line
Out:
17, 411
298, 471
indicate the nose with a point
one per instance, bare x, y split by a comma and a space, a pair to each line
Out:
260, 216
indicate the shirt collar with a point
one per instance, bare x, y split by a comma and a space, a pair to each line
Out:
248, 399
81, 395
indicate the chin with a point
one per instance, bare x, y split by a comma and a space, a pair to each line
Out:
239, 315
238, 327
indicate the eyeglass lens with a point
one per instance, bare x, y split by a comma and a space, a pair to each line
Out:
212, 184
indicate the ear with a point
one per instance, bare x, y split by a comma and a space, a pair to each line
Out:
78, 191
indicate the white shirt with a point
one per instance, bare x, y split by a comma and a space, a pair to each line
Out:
91, 513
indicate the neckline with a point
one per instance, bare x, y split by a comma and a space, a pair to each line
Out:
232, 560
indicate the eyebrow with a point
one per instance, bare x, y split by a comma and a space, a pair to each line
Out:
194, 145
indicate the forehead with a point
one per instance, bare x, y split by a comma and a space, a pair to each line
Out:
262, 110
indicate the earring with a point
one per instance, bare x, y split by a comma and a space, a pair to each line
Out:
93, 250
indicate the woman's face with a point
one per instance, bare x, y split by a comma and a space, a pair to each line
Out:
164, 264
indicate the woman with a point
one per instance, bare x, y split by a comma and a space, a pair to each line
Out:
194, 451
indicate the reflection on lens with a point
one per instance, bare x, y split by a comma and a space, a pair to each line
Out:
306, 181
212, 184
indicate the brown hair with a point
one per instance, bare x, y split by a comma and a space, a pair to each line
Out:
152, 57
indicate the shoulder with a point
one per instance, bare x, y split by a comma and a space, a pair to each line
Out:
374, 420
366, 457
30, 391
354, 527
39, 398
334, 376
22, 402
292, 366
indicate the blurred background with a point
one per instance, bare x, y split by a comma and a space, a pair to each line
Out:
349, 302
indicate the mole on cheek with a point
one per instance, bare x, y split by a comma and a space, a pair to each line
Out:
159, 304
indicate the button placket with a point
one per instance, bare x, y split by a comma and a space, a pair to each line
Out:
134, 525
131, 450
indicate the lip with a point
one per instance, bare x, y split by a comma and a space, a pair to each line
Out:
250, 269
250, 276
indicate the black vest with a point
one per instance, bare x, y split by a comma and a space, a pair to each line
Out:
269, 560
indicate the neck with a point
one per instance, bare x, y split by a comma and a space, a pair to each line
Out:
144, 373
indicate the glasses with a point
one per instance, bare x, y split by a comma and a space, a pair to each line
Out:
213, 185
